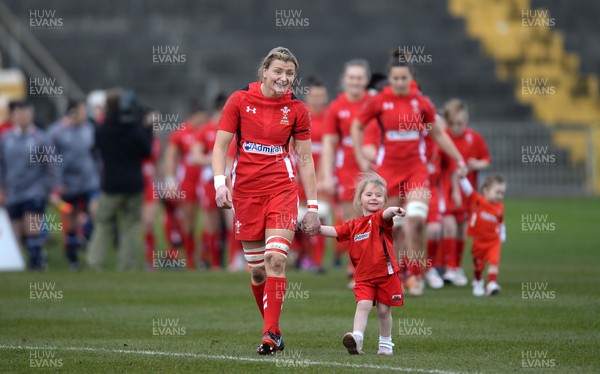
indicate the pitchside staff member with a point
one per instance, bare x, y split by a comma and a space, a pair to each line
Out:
265, 115
25, 180
123, 143
78, 176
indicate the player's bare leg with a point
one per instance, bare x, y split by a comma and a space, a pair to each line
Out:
353, 341
384, 313
236, 260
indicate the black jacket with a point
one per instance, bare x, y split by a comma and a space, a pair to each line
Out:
122, 148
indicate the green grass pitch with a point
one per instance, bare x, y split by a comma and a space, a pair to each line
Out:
193, 322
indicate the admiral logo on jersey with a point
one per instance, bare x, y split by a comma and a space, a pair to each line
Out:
360, 237
263, 149
396, 136
344, 113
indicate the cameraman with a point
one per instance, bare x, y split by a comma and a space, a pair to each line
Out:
123, 143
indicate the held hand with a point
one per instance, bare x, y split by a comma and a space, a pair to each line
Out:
223, 197
311, 224
462, 170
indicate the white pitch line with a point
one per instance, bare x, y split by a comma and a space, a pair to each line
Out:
290, 361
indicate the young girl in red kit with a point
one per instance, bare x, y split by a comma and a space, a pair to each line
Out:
371, 252
486, 227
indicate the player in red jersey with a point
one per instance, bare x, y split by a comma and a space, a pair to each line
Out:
474, 150
336, 132
183, 175
211, 216
486, 227
338, 167
313, 247
404, 117
150, 202
265, 115
377, 271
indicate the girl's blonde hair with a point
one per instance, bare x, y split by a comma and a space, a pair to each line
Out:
451, 107
364, 179
277, 53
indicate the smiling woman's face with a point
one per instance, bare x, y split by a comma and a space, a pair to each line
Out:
400, 78
279, 76
355, 80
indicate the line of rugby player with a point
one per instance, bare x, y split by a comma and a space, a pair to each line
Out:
359, 130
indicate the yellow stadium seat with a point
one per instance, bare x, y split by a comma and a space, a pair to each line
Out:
12, 84
575, 142
547, 77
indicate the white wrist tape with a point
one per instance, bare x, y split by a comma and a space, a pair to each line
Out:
312, 206
219, 180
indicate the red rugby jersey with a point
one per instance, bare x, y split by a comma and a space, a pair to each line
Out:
317, 131
403, 120
206, 136
340, 115
470, 145
264, 127
183, 140
371, 245
486, 219
149, 164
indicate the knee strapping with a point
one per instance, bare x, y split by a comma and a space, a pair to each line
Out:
255, 256
277, 244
